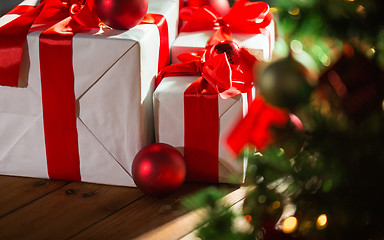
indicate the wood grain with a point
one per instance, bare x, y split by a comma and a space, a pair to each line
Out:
46, 209
142, 216
66, 211
16, 192
183, 226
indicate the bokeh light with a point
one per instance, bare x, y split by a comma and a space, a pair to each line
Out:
275, 204
321, 221
294, 12
289, 225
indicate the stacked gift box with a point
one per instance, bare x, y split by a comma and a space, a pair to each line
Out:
112, 105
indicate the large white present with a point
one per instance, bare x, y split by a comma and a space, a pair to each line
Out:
114, 74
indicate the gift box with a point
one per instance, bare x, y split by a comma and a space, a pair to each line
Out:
250, 25
170, 128
114, 74
196, 104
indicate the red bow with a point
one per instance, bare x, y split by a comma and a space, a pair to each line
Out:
69, 17
254, 128
244, 17
217, 75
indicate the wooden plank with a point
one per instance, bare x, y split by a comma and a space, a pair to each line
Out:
66, 211
16, 192
140, 217
180, 227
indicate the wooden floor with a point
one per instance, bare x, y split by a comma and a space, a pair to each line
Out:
45, 209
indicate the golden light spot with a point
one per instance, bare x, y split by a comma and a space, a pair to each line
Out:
294, 12
248, 218
321, 222
273, 10
371, 52
275, 204
289, 225
361, 10
382, 105
349, 0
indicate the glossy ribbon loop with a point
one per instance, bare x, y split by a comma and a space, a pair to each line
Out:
244, 17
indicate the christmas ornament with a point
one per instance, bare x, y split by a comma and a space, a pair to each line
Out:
220, 6
228, 47
121, 14
158, 169
285, 83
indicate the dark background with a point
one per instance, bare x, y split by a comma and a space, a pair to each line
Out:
7, 5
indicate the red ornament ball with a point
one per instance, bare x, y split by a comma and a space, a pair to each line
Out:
158, 169
121, 14
229, 47
221, 7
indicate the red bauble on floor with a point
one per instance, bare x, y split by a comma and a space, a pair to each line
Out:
158, 169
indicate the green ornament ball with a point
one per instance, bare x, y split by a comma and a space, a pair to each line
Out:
285, 84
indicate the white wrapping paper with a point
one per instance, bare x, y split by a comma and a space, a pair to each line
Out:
169, 123
114, 73
258, 44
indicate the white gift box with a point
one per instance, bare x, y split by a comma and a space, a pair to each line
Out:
114, 80
169, 124
260, 45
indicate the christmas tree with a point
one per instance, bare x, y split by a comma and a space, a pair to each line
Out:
318, 174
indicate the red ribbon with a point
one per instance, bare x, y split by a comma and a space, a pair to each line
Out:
201, 116
57, 85
63, 21
244, 17
162, 25
14, 33
254, 127
21, 9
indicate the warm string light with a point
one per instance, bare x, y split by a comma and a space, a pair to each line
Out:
321, 222
275, 204
289, 225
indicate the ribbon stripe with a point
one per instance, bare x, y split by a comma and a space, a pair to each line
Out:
59, 114
161, 23
201, 134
